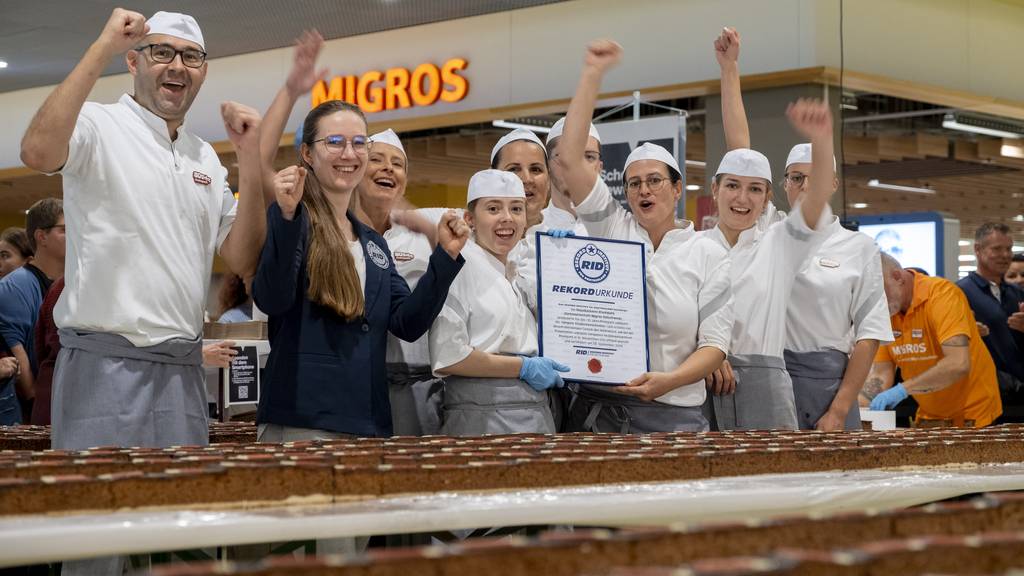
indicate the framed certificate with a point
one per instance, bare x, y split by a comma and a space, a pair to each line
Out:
592, 307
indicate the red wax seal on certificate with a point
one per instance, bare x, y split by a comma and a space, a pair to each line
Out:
594, 365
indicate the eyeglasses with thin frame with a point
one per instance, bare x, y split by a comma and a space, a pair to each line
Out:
164, 54
337, 143
654, 184
795, 178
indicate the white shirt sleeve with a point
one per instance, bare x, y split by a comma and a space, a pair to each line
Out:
525, 259
869, 308
228, 207
83, 143
714, 301
449, 334
434, 214
603, 216
794, 241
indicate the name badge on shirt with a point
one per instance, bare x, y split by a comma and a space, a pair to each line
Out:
828, 263
917, 333
402, 256
377, 255
200, 178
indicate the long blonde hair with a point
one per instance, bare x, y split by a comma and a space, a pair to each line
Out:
333, 279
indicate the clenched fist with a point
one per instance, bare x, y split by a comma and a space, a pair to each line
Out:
289, 185
452, 233
603, 55
242, 124
811, 118
727, 47
123, 31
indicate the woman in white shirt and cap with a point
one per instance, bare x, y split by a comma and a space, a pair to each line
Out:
688, 289
828, 352
484, 341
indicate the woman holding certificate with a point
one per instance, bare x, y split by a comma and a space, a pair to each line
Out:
753, 389
484, 341
689, 306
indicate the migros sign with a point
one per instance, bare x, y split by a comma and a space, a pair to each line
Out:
397, 88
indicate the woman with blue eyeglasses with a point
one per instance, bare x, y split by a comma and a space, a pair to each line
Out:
330, 286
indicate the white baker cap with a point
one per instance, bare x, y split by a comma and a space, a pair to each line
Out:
559, 127
178, 25
494, 184
801, 154
389, 137
648, 151
517, 134
745, 162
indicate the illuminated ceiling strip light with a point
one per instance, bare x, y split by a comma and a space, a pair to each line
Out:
874, 183
949, 121
514, 125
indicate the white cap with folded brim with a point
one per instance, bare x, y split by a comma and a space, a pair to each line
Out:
648, 151
801, 154
745, 162
389, 137
494, 184
177, 25
559, 127
517, 134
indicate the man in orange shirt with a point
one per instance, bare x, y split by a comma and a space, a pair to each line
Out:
944, 363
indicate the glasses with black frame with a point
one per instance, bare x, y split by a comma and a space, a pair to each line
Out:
164, 54
337, 143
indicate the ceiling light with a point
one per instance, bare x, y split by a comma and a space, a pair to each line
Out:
968, 268
1012, 150
874, 183
692, 187
988, 128
1018, 218
696, 163
860, 204
3, 64
514, 125
968, 258
1018, 248
964, 242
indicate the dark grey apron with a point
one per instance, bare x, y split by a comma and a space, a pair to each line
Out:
415, 400
477, 406
108, 392
599, 409
763, 398
816, 379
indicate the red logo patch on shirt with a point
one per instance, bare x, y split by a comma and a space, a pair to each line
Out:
402, 256
201, 178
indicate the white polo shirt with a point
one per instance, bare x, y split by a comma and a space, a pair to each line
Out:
411, 252
144, 216
838, 290
689, 291
484, 311
765, 262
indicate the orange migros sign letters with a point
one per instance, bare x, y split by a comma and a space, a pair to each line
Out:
397, 88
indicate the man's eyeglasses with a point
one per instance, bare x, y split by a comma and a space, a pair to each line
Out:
164, 54
338, 143
654, 184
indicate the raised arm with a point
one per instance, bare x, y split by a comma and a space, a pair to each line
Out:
301, 79
734, 116
602, 55
44, 146
241, 247
813, 120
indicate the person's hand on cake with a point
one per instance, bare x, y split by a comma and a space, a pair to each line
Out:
889, 398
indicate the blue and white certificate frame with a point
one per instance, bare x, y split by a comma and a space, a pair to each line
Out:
592, 307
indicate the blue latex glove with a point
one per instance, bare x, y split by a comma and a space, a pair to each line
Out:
889, 398
542, 373
557, 233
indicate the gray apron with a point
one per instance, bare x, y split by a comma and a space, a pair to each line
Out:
415, 400
598, 409
816, 378
107, 392
476, 406
763, 399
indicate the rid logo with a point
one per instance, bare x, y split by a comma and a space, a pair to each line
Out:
591, 264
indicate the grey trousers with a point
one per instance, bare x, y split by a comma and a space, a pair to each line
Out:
477, 406
763, 398
416, 400
599, 409
107, 392
816, 379
277, 434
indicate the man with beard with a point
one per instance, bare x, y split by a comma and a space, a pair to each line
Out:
146, 206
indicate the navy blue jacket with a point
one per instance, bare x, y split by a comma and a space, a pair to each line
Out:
323, 372
1005, 344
